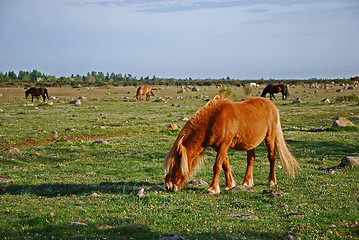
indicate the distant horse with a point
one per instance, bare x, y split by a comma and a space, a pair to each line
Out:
218, 85
36, 92
222, 124
146, 90
271, 89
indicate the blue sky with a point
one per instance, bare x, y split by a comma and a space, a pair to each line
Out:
242, 39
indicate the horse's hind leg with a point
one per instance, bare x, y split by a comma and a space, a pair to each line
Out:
271, 157
229, 178
248, 178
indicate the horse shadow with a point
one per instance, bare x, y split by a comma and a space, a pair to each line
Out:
69, 189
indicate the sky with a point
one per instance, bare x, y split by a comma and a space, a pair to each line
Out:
240, 39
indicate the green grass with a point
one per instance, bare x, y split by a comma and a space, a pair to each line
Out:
40, 195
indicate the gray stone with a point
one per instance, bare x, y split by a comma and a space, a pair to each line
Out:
349, 161
12, 150
243, 216
198, 183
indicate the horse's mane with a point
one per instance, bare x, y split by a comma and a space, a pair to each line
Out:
178, 146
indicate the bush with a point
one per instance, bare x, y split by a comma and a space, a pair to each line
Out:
350, 98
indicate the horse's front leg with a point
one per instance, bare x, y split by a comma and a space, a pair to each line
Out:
229, 178
248, 178
217, 167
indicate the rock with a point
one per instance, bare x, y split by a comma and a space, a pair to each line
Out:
272, 193
12, 150
197, 183
156, 188
243, 188
349, 161
295, 215
77, 103
342, 122
290, 236
173, 237
82, 98
159, 99
54, 155
140, 153
296, 101
195, 89
243, 216
184, 119
77, 224
326, 100
101, 141
80, 208
94, 195
55, 134
140, 192
172, 127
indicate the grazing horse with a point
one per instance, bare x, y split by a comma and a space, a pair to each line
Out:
36, 92
222, 124
271, 89
146, 90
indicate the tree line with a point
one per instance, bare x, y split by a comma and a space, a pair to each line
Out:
37, 79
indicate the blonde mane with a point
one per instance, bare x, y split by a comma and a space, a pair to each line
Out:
177, 145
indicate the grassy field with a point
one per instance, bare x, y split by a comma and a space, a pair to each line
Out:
64, 186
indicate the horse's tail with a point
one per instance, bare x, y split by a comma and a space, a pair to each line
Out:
138, 90
287, 159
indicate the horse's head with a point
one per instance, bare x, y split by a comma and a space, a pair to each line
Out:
27, 92
176, 166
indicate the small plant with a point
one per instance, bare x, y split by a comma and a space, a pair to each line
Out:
350, 98
247, 90
227, 91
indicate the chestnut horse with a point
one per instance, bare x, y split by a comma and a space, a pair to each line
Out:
222, 124
146, 90
271, 89
36, 92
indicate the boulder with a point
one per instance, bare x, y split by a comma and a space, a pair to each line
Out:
197, 183
12, 150
342, 122
349, 161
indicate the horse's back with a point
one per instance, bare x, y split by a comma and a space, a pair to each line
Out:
244, 123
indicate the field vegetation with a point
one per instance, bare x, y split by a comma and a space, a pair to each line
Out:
65, 183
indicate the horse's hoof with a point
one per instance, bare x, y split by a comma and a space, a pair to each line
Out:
229, 188
211, 191
272, 183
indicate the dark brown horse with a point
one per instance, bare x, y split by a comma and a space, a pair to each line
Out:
36, 92
146, 90
271, 89
222, 124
